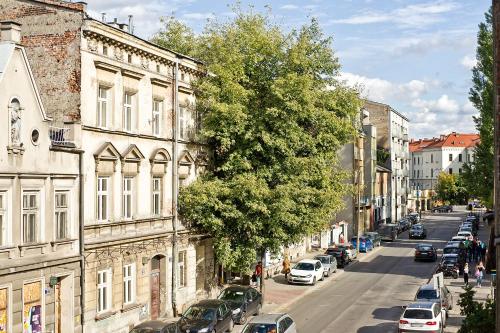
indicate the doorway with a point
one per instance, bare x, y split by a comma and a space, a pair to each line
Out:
63, 306
158, 286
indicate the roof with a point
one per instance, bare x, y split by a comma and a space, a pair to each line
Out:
270, 318
453, 139
420, 305
6, 50
389, 108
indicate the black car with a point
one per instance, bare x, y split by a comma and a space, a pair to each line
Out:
451, 262
404, 224
417, 231
339, 254
155, 326
213, 315
244, 301
425, 252
442, 209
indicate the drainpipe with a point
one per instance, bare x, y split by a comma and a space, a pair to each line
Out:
175, 187
81, 236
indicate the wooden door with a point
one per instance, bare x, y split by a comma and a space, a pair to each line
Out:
155, 294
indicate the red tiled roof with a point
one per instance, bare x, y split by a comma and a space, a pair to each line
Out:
451, 140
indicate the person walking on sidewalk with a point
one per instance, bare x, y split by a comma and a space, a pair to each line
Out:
286, 266
466, 274
479, 274
258, 274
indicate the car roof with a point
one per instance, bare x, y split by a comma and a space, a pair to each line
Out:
322, 255
152, 324
455, 245
420, 305
308, 261
449, 255
208, 303
424, 244
270, 318
427, 287
238, 288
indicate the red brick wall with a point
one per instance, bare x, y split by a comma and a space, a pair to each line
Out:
51, 34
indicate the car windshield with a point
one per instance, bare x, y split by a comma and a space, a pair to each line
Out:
259, 328
324, 260
417, 227
424, 248
417, 314
304, 266
232, 295
198, 312
427, 294
448, 261
451, 250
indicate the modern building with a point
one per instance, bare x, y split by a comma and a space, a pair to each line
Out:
131, 105
40, 237
392, 152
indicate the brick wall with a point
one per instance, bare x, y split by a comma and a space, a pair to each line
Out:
51, 34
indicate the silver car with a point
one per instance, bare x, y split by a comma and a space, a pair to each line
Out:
281, 322
328, 262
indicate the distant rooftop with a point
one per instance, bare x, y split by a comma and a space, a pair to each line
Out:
453, 139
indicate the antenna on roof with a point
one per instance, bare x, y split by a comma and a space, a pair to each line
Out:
103, 17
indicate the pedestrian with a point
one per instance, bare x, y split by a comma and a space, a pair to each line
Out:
286, 266
467, 246
466, 274
483, 251
474, 249
258, 274
478, 250
479, 274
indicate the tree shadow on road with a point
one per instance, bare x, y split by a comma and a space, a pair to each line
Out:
392, 313
379, 328
406, 266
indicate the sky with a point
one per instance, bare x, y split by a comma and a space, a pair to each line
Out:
415, 55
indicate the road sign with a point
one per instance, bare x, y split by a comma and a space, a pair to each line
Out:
438, 281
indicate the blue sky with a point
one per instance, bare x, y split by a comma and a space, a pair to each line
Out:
415, 55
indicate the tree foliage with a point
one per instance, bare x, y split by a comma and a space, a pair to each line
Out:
450, 189
478, 175
175, 36
275, 116
479, 316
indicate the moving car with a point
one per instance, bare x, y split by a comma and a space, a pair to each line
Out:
213, 315
352, 253
306, 271
428, 293
328, 262
417, 231
271, 323
425, 252
156, 326
340, 254
422, 317
388, 231
244, 301
374, 237
365, 243
442, 209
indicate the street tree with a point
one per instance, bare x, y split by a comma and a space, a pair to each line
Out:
479, 317
446, 188
275, 114
478, 174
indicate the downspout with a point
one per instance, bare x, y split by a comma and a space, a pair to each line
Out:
81, 237
175, 187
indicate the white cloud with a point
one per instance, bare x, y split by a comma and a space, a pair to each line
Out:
198, 16
468, 62
442, 104
289, 7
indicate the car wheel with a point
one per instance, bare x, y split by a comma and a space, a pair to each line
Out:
243, 318
313, 281
231, 326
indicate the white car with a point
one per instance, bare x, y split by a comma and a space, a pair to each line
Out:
466, 234
458, 238
280, 322
422, 317
306, 271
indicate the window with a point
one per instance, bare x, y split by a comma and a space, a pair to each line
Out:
129, 283
450, 171
460, 157
61, 214
102, 198
460, 170
3, 221
432, 173
127, 197
432, 158
103, 290
127, 111
129, 58
102, 105
157, 196
413, 173
30, 217
182, 269
418, 160
32, 306
182, 123
157, 106
414, 160
450, 157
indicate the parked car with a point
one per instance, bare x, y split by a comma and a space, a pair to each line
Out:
450, 262
244, 301
207, 316
352, 252
442, 209
340, 254
374, 237
458, 238
156, 326
328, 262
414, 217
404, 224
417, 231
466, 234
271, 323
455, 248
388, 231
422, 317
365, 243
425, 252
427, 293
306, 271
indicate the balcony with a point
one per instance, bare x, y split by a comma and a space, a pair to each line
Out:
405, 137
62, 136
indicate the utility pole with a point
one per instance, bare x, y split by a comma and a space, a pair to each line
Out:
358, 207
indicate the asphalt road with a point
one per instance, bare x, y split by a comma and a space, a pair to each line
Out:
367, 297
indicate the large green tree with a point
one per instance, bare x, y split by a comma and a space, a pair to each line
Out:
275, 115
478, 175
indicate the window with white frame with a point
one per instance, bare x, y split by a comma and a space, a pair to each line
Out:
102, 198
129, 283
157, 106
182, 123
3, 218
31, 216
182, 273
102, 107
104, 291
127, 111
156, 199
62, 214
127, 197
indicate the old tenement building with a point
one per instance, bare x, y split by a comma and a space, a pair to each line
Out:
120, 95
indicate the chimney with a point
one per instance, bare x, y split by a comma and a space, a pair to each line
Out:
10, 32
130, 24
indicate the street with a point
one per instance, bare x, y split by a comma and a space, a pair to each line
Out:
367, 297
